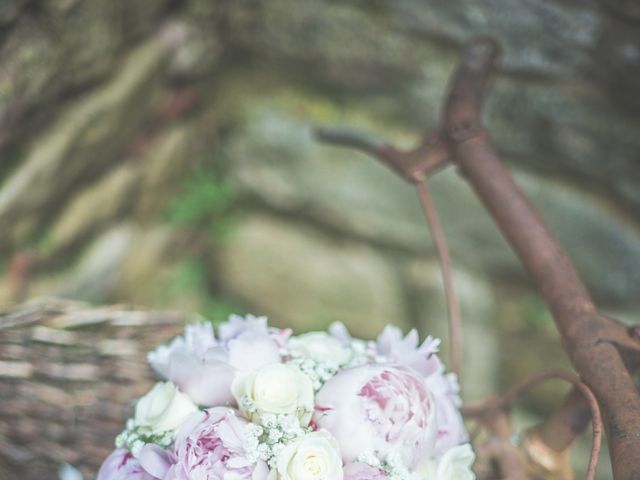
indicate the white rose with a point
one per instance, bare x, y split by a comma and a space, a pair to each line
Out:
274, 389
319, 346
455, 464
315, 456
163, 409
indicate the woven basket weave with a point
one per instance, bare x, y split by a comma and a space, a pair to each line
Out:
69, 374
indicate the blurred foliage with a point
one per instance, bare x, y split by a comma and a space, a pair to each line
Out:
204, 200
218, 309
203, 196
190, 275
45, 243
536, 315
191, 278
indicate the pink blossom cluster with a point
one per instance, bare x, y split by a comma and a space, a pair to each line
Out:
268, 405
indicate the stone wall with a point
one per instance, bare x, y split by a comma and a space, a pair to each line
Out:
159, 153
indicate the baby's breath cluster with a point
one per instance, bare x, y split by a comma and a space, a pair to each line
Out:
134, 438
247, 405
265, 440
320, 369
318, 372
392, 465
362, 352
396, 469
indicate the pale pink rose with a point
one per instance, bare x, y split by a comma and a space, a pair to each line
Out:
197, 339
122, 465
362, 471
208, 446
238, 325
203, 366
378, 408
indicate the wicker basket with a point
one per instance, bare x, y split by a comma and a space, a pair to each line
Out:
69, 374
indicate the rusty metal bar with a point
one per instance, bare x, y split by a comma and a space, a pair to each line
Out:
431, 155
590, 338
453, 306
603, 351
567, 423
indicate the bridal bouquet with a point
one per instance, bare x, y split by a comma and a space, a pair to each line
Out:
255, 402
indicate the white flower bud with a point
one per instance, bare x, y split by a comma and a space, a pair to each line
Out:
455, 464
163, 409
320, 347
273, 390
314, 456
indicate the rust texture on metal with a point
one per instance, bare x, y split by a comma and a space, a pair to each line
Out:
591, 340
544, 446
567, 423
453, 307
603, 351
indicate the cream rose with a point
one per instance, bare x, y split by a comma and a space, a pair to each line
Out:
315, 456
274, 389
163, 409
455, 464
319, 346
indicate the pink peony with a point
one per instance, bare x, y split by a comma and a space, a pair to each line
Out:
362, 471
203, 366
393, 347
444, 387
451, 429
209, 446
121, 465
378, 409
